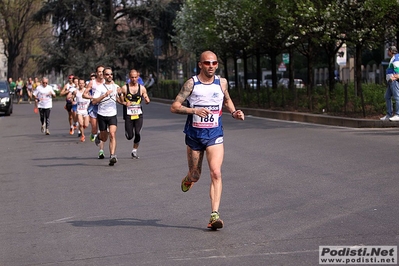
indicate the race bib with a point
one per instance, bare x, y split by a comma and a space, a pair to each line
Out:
211, 121
82, 105
133, 110
45, 98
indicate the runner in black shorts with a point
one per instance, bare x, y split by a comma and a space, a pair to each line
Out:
106, 96
105, 121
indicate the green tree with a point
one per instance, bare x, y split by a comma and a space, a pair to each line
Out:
90, 32
79, 31
225, 27
234, 29
16, 22
195, 26
365, 24
271, 38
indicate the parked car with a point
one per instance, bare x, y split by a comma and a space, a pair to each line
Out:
252, 83
6, 104
298, 83
267, 82
56, 87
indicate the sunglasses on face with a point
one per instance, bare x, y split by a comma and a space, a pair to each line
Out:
210, 63
108, 74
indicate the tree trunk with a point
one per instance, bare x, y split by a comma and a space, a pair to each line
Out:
258, 76
331, 69
358, 71
307, 49
292, 76
225, 68
11, 68
237, 86
273, 60
310, 76
244, 55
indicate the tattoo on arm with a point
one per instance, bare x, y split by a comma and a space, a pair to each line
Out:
183, 94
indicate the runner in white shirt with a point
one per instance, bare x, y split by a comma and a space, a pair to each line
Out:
95, 82
67, 91
43, 96
82, 105
106, 96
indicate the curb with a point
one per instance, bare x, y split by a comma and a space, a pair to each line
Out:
322, 119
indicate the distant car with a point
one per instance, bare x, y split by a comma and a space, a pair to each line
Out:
298, 83
252, 83
267, 82
56, 87
283, 82
232, 84
6, 104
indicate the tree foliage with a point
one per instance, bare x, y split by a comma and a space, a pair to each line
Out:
92, 32
272, 26
121, 33
15, 24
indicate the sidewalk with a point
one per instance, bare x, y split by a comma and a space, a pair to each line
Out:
323, 119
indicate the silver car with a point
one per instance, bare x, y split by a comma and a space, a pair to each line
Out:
298, 83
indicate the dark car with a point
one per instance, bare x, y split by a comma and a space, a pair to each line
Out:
5, 98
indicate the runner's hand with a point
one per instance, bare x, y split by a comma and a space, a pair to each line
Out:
202, 112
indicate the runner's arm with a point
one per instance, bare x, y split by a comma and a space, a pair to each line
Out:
228, 103
119, 96
86, 93
100, 97
64, 90
52, 93
177, 106
144, 94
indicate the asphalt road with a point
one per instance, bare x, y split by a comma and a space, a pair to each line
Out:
288, 188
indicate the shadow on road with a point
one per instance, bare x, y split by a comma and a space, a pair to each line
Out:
129, 222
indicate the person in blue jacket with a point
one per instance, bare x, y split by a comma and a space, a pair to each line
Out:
392, 75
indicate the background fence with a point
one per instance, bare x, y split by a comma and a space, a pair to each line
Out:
370, 74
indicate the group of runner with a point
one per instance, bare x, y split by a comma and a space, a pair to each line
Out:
17, 87
206, 93
95, 103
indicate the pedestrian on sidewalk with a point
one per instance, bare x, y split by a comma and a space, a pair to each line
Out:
392, 76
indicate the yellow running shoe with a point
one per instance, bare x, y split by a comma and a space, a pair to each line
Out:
215, 222
185, 184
